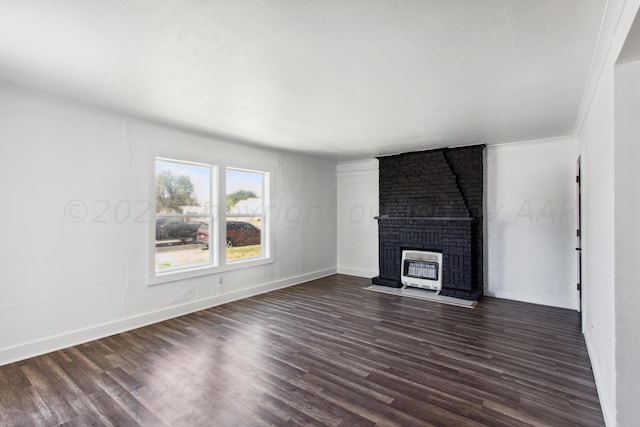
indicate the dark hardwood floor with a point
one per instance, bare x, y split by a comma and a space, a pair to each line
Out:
323, 353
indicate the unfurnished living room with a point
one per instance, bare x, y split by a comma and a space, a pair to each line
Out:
325, 213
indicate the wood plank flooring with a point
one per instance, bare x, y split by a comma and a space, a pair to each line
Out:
324, 353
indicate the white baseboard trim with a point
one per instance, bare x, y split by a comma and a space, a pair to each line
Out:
58, 342
552, 301
608, 413
358, 272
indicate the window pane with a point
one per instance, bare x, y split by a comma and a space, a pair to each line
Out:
182, 208
244, 214
177, 243
244, 238
244, 192
182, 188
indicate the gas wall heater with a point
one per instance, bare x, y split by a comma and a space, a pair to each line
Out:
422, 269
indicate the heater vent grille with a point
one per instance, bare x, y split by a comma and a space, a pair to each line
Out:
422, 269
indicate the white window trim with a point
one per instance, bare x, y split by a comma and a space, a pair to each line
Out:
264, 216
218, 187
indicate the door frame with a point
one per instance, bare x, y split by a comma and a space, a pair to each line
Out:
579, 231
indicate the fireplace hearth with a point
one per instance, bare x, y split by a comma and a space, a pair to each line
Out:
432, 201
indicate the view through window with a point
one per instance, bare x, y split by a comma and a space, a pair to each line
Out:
186, 216
245, 214
183, 210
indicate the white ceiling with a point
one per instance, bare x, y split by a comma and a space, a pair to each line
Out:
342, 78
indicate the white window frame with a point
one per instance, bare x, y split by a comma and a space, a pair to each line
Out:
217, 217
264, 215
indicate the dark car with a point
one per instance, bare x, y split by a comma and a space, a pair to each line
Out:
239, 233
175, 230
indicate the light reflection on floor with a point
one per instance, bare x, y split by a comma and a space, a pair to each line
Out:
186, 377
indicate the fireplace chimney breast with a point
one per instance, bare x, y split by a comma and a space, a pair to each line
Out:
432, 201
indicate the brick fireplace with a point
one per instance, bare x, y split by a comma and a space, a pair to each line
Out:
432, 201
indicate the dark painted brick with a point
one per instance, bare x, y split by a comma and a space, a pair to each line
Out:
444, 183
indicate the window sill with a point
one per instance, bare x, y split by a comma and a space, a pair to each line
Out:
176, 275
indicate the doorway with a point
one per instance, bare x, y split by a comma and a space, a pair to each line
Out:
579, 231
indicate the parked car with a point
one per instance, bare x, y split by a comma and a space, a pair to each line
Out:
239, 233
176, 230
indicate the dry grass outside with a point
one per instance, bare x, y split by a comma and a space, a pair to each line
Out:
173, 257
244, 252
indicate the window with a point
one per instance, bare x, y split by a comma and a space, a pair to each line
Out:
189, 239
183, 210
245, 214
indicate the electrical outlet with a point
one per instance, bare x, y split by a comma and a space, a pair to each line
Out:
220, 280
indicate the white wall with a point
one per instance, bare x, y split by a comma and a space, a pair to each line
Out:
627, 236
605, 222
74, 264
531, 222
357, 206
530, 193
597, 245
